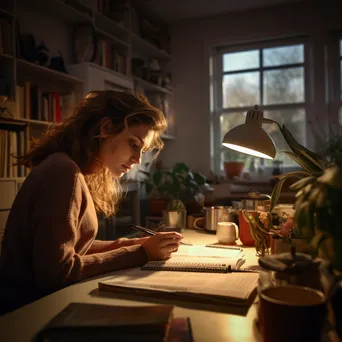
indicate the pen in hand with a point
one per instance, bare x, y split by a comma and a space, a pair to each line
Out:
152, 232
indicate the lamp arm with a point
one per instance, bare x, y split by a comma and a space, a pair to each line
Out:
269, 121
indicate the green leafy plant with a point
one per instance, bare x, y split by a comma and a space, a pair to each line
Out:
312, 163
319, 212
177, 183
175, 205
318, 204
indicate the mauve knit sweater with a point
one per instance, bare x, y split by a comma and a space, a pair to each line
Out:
49, 240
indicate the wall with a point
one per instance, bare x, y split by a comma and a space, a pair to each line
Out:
192, 41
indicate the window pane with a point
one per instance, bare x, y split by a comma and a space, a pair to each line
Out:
283, 55
227, 122
294, 120
240, 89
284, 86
241, 60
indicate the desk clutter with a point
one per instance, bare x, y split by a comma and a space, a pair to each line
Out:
98, 322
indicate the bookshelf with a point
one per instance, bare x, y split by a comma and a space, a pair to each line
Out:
39, 96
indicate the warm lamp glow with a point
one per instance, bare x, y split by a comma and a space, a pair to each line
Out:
247, 151
250, 138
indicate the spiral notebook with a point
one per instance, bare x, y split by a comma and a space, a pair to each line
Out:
200, 259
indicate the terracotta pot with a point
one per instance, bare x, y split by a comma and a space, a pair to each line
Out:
155, 207
233, 169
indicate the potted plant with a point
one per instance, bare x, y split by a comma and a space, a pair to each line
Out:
157, 189
318, 213
178, 183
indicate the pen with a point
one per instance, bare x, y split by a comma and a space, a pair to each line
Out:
152, 232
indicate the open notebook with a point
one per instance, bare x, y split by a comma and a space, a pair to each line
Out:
200, 259
235, 288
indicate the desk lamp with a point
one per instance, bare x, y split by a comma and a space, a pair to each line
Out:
250, 138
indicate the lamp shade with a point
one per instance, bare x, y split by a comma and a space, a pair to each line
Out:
251, 139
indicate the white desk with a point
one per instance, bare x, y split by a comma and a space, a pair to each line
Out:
209, 322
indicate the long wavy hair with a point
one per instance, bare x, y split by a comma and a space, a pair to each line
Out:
80, 138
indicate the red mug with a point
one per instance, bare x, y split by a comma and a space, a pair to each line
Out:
244, 229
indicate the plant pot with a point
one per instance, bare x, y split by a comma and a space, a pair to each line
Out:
174, 220
155, 207
233, 169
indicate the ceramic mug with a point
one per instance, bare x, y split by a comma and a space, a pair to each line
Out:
291, 313
227, 232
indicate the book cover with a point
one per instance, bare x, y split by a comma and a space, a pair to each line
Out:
100, 322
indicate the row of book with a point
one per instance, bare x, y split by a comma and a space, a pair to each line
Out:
12, 145
34, 104
6, 43
109, 57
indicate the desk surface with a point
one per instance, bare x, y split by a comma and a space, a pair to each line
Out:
209, 322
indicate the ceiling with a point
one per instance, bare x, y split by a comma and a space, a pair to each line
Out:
172, 10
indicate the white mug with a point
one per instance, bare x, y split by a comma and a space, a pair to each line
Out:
227, 232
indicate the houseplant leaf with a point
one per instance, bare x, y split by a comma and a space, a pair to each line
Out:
278, 186
311, 157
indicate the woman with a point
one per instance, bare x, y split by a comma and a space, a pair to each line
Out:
49, 240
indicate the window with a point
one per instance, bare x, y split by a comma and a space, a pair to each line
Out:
271, 75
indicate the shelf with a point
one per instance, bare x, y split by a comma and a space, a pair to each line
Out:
24, 66
112, 38
11, 124
150, 87
4, 56
144, 48
117, 74
9, 14
37, 122
63, 12
104, 23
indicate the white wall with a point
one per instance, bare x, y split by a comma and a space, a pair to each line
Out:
192, 41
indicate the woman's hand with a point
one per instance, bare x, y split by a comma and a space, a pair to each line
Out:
161, 245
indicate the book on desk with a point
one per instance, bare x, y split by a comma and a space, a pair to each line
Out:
100, 322
193, 273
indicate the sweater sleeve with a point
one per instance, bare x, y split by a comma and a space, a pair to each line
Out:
99, 246
56, 264
56, 221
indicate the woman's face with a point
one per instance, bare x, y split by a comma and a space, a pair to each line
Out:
119, 153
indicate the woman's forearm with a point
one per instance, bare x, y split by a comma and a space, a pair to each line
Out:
100, 246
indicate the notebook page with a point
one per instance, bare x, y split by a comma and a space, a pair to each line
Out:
202, 251
232, 285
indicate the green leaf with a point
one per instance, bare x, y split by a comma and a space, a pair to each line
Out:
304, 163
277, 188
302, 182
298, 174
302, 151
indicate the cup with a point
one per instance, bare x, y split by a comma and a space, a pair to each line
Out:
227, 232
291, 313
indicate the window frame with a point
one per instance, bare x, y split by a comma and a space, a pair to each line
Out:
334, 85
216, 93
